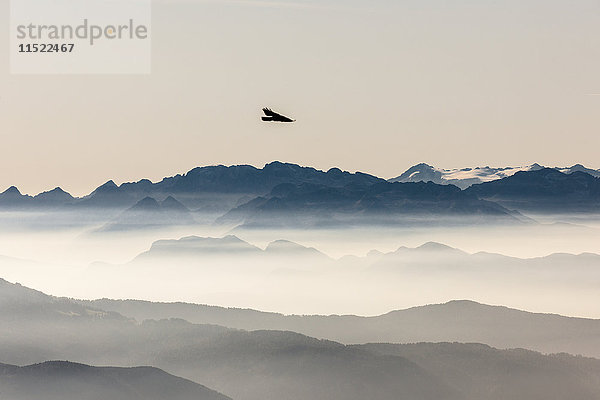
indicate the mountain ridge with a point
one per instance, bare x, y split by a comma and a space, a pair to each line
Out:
272, 364
466, 177
543, 190
215, 173
63, 380
282, 195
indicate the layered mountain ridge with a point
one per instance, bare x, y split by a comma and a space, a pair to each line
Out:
249, 179
269, 364
284, 195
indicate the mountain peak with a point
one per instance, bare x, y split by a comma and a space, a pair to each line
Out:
201, 239
147, 203
276, 164
172, 203
580, 168
432, 247
286, 245
461, 177
438, 247
420, 173
13, 190
56, 194
423, 165
435, 246
108, 184
281, 166
230, 244
12, 197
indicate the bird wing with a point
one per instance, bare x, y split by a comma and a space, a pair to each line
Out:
270, 113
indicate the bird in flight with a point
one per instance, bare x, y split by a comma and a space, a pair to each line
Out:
272, 116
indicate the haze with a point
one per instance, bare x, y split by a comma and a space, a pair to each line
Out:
350, 275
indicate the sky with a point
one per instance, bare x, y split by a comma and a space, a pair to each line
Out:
375, 86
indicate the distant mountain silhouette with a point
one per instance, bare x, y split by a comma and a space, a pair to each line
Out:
148, 213
430, 266
432, 247
310, 204
55, 198
580, 168
61, 380
12, 198
212, 191
545, 190
465, 177
195, 187
200, 246
421, 173
432, 272
285, 248
230, 246
456, 321
108, 195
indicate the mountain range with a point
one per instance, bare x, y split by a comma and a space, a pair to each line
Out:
544, 190
149, 213
465, 177
381, 203
201, 187
456, 321
230, 246
229, 192
12, 198
252, 365
283, 268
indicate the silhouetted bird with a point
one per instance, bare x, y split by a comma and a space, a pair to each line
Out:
272, 116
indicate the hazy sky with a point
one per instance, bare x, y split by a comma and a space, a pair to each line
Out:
376, 86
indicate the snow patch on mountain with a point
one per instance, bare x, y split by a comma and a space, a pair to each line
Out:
465, 177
